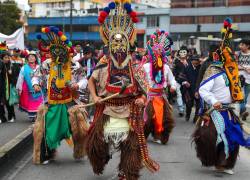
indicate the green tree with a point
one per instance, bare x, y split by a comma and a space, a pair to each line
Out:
9, 17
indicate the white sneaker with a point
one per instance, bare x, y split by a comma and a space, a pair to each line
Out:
45, 162
12, 120
0, 121
228, 171
157, 141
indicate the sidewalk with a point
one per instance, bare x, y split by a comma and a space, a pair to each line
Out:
14, 138
8, 131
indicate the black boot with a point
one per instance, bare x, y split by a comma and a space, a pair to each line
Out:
3, 119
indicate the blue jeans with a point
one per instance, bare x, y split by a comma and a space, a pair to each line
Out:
179, 98
246, 93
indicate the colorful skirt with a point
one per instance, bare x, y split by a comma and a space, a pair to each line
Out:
27, 102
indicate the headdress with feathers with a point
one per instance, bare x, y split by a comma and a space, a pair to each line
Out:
226, 55
158, 47
59, 45
118, 18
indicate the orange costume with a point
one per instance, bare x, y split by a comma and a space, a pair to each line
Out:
158, 113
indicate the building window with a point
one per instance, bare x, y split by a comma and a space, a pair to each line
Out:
153, 21
140, 19
93, 28
238, 2
219, 3
243, 18
203, 3
183, 19
140, 40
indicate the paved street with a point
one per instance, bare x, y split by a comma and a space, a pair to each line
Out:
10, 130
177, 160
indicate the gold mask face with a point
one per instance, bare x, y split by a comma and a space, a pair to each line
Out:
119, 49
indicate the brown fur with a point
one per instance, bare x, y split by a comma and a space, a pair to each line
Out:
38, 133
231, 161
168, 122
149, 125
97, 149
205, 143
131, 161
79, 128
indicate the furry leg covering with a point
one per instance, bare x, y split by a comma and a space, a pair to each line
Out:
221, 157
149, 125
79, 128
38, 133
131, 162
97, 149
168, 122
204, 137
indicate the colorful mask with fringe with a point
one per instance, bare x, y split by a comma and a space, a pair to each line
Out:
228, 59
118, 32
3, 47
60, 67
158, 47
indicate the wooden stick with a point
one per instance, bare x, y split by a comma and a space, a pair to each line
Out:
102, 100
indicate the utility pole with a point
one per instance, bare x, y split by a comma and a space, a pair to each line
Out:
71, 18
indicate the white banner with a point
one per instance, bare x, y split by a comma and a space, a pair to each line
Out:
15, 40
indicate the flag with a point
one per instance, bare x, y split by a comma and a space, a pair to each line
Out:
15, 40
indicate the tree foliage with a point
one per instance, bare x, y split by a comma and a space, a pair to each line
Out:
9, 17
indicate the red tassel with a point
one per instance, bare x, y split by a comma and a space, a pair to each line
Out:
103, 14
133, 14
60, 33
101, 20
135, 20
47, 29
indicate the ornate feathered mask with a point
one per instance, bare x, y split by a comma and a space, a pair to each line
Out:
118, 30
59, 45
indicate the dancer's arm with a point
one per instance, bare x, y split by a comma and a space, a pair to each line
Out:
92, 89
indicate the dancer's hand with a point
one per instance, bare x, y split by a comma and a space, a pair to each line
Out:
187, 85
196, 95
37, 88
97, 100
172, 90
217, 106
140, 102
19, 92
75, 86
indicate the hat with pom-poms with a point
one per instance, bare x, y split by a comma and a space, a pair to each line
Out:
56, 43
118, 16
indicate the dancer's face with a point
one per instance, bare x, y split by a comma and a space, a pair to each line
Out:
6, 59
31, 59
183, 53
119, 47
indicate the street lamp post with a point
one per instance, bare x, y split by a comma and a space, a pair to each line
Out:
71, 18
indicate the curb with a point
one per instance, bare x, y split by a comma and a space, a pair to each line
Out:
13, 148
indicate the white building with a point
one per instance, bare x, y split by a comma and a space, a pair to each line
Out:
155, 3
57, 8
151, 18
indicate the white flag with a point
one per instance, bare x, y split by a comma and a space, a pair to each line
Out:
15, 40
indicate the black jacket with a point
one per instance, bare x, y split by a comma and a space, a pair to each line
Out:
178, 70
2, 81
191, 75
5, 69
